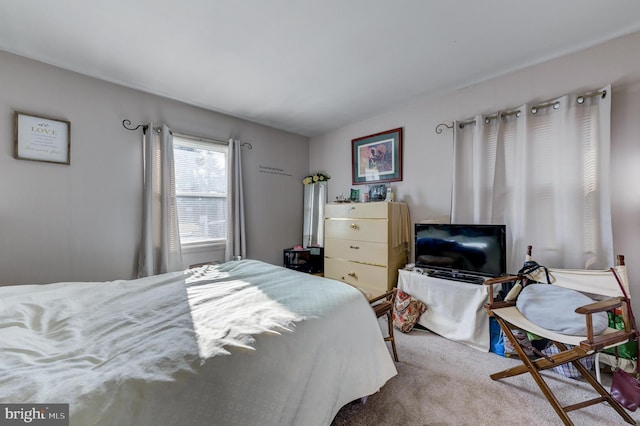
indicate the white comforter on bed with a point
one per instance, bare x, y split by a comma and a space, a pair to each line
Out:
243, 343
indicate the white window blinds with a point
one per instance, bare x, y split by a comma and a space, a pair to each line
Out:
201, 189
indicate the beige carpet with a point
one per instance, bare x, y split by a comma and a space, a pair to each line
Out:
441, 382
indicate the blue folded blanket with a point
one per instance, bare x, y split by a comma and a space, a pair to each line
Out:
553, 308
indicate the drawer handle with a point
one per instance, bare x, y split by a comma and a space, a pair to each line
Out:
355, 247
352, 274
354, 226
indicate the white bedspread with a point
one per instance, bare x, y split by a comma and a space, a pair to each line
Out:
243, 343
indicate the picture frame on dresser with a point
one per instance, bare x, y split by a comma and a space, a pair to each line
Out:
377, 192
377, 158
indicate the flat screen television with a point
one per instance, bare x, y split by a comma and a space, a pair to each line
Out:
458, 249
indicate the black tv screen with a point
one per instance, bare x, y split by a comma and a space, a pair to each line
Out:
465, 249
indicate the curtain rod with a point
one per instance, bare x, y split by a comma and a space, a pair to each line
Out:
534, 109
126, 123
440, 127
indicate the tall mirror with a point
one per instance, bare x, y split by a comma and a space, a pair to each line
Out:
315, 198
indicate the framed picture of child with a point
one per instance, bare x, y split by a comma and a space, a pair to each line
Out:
377, 158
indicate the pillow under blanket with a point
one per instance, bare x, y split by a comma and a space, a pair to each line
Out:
553, 308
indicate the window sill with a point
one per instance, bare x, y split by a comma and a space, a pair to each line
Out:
203, 247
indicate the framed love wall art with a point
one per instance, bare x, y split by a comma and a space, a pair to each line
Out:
40, 138
377, 158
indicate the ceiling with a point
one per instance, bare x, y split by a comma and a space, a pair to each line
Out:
305, 66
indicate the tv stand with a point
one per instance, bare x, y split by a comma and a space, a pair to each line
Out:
455, 309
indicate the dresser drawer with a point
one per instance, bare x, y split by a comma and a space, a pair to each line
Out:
359, 251
358, 210
375, 230
358, 275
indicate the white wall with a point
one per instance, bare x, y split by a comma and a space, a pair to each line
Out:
426, 186
82, 222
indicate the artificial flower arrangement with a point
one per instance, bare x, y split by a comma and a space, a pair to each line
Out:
318, 177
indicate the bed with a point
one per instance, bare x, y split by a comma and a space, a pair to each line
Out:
241, 343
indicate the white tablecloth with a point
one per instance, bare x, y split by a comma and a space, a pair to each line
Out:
454, 309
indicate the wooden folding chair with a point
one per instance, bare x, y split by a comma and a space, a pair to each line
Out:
383, 305
603, 283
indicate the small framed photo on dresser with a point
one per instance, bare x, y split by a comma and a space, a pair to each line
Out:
377, 192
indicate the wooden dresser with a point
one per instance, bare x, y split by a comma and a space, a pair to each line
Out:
366, 244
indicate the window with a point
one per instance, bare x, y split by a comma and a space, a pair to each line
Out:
201, 190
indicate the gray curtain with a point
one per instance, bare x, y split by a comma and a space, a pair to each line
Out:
160, 249
236, 237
